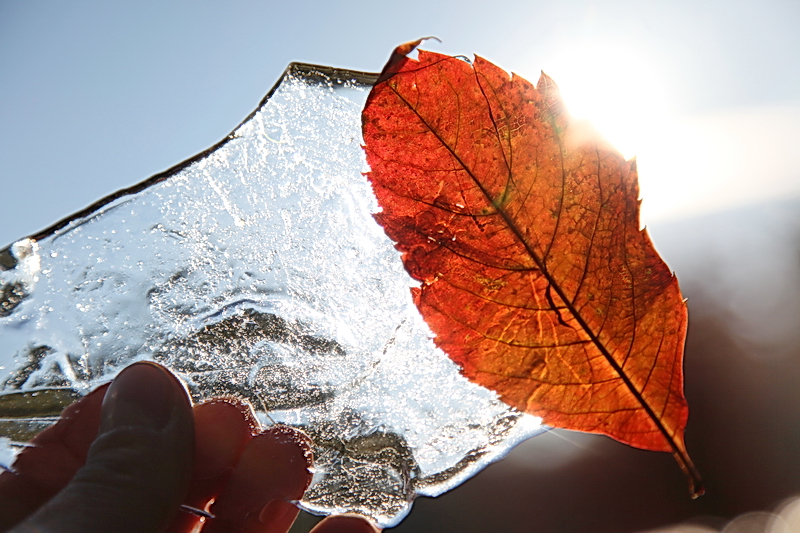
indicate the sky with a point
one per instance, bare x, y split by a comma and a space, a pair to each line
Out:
96, 96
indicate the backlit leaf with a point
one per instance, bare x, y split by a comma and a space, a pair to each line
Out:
523, 230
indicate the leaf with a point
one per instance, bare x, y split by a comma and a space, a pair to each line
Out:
523, 230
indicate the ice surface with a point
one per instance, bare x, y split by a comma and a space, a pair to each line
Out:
256, 269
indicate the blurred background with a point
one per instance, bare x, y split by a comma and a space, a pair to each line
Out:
96, 96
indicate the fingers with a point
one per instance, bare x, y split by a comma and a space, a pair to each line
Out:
263, 481
139, 465
273, 471
49, 463
137, 470
345, 524
222, 430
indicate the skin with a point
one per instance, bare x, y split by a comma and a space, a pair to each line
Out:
133, 456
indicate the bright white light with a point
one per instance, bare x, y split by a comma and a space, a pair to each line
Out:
711, 162
688, 164
618, 89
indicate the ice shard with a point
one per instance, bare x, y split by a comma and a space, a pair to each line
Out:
256, 269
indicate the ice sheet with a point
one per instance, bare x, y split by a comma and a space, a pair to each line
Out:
256, 269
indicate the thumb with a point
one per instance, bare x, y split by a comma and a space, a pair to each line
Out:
138, 469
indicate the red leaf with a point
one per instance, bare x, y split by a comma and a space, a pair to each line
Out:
524, 231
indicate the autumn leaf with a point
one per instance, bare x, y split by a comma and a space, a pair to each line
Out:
523, 230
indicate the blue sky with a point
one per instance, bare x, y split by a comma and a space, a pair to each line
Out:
95, 96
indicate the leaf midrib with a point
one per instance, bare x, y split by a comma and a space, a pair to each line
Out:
680, 454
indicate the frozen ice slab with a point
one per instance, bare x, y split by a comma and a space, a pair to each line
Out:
256, 269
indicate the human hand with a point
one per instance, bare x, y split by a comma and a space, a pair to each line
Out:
154, 458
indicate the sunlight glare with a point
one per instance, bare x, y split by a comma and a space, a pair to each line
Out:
689, 164
622, 92
618, 89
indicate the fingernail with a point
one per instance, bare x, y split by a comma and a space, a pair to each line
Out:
141, 395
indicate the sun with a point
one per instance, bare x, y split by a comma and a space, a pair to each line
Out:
617, 88
624, 92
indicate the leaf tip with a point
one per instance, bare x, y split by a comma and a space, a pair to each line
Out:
546, 85
398, 54
551, 95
